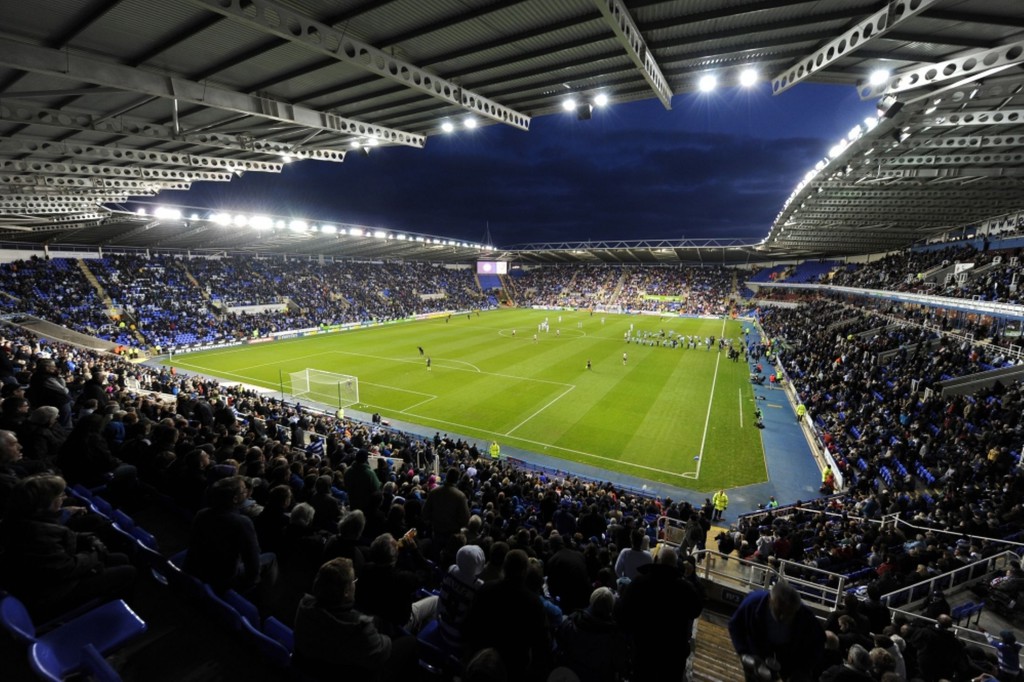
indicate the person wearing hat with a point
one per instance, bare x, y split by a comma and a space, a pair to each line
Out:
1008, 651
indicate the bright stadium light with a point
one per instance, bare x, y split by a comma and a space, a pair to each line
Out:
329, 229
600, 99
355, 231
140, 211
240, 220
748, 77
164, 213
569, 104
878, 77
380, 234
447, 126
470, 122
221, 218
298, 226
707, 83
260, 222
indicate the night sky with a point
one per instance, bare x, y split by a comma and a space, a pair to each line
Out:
717, 165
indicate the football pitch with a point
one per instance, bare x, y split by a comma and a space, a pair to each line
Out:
682, 417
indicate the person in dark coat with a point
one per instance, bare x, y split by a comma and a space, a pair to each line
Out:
361, 482
333, 640
47, 387
659, 588
446, 510
49, 567
567, 577
591, 643
507, 616
776, 626
223, 550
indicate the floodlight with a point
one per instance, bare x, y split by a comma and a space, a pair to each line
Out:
854, 133
447, 126
380, 234
298, 226
329, 229
259, 222
354, 144
870, 122
748, 77
470, 122
355, 231
600, 99
707, 83
837, 149
164, 213
287, 158
569, 104
221, 218
878, 77
140, 211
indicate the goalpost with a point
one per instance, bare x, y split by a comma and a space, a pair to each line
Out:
340, 390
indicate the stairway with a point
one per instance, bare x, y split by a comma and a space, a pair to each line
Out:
715, 660
100, 291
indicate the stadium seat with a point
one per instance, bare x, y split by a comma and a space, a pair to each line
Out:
275, 652
58, 653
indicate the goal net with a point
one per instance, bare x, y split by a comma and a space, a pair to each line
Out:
340, 390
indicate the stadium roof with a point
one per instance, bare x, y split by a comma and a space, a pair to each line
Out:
102, 100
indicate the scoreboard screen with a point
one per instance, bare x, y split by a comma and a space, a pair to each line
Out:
492, 267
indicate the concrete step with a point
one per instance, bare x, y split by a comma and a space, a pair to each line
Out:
715, 660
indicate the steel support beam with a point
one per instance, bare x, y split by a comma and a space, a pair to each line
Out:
77, 67
866, 30
618, 18
277, 19
963, 66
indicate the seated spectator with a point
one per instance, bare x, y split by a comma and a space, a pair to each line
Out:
347, 543
335, 641
387, 591
49, 567
223, 550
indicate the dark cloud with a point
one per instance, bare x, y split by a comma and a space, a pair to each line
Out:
632, 172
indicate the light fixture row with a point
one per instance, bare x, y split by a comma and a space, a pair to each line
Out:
262, 223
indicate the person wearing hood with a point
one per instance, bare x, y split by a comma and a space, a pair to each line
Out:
458, 588
335, 641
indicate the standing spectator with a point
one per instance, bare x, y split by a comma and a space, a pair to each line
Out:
940, 654
659, 587
47, 387
592, 644
1008, 650
361, 482
776, 628
447, 512
568, 578
507, 616
631, 558
458, 589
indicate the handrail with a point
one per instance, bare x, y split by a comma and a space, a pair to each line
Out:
945, 581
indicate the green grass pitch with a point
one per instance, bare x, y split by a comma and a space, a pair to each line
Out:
650, 417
